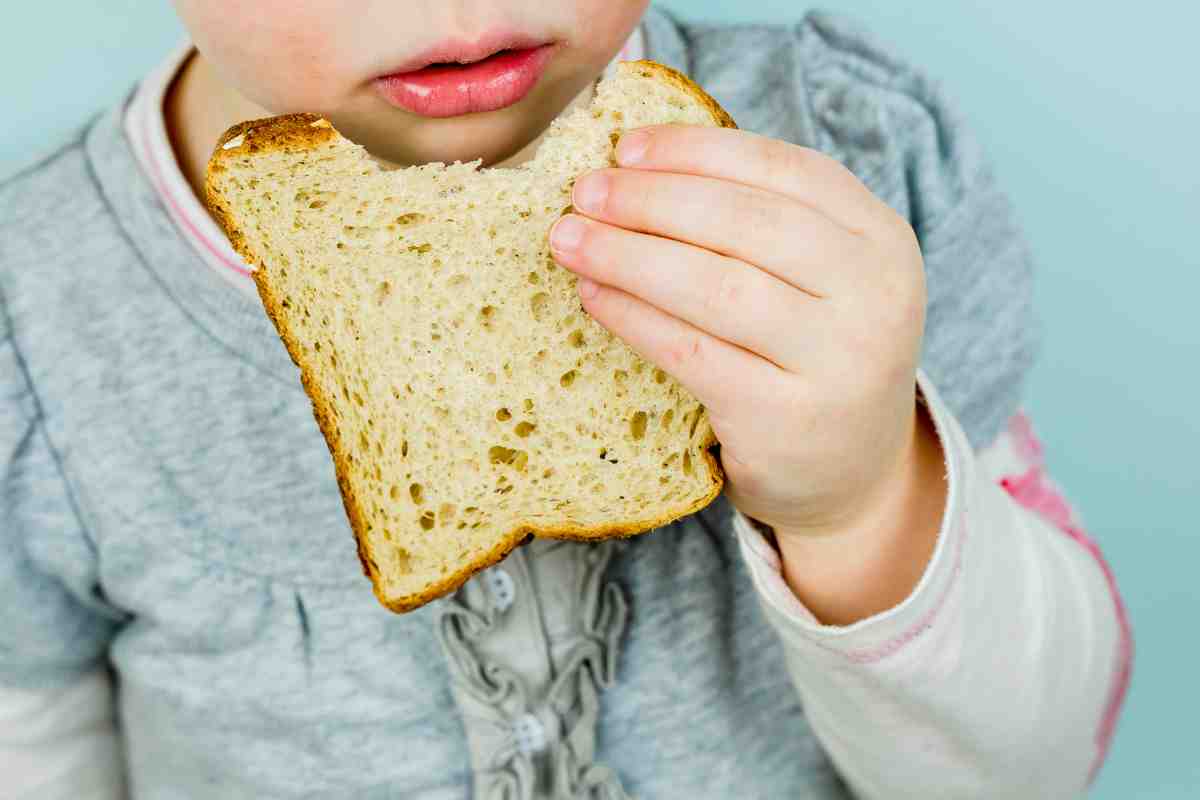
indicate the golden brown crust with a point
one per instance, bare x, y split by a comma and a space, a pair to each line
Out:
290, 131
653, 69
295, 132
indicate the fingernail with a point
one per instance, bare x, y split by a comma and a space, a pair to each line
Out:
567, 233
588, 288
590, 193
632, 147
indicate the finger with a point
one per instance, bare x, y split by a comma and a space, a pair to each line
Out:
723, 296
720, 375
801, 173
788, 239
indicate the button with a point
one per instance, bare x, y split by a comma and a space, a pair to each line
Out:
501, 587
530, 734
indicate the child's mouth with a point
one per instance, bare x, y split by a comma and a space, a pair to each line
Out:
443, 88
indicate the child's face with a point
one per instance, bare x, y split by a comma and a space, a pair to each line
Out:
328, 56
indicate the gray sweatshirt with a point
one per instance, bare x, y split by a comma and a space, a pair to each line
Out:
167, 504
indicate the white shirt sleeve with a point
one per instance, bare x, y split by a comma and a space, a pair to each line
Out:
61, 743
1000, 676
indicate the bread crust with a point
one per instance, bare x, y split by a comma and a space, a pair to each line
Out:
299, 132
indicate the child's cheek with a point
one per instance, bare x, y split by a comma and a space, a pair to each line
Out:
604, 23
282, 55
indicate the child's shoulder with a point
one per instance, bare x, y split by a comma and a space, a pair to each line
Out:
816, 37
831, 77
59, 232
829, 82
42, 205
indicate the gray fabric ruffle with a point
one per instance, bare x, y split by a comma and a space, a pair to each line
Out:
529, 741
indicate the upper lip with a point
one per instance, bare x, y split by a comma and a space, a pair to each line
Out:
461, 51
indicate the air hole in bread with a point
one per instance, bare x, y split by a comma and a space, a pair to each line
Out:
667, 418
576, 339
523, 429
567, 378
499, 454
539, 304
503, 415
637, 425
416, 492
403, 559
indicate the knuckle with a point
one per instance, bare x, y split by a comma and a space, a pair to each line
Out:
620, 310
726, 291
686, 353
753, 212
781, 157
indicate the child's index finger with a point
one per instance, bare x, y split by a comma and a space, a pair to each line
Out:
800, 173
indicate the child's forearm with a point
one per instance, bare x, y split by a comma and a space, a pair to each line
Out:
1000, 674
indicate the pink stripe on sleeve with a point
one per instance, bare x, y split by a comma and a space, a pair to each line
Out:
1035, 491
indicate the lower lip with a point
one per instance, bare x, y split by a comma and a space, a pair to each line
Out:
495, 82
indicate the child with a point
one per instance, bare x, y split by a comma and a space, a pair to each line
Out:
890, 601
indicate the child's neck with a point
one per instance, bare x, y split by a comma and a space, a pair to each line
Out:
199, 107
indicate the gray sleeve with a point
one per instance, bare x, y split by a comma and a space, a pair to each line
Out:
54, 624
899, 132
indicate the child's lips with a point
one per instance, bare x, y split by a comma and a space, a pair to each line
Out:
448, 90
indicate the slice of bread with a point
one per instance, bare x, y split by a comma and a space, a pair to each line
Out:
467, 399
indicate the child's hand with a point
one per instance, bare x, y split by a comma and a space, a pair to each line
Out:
790, 300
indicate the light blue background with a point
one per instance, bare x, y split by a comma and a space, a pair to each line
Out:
1093, 118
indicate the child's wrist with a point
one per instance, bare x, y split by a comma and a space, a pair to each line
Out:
873, 562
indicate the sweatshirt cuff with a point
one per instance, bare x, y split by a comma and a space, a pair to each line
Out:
883, 634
